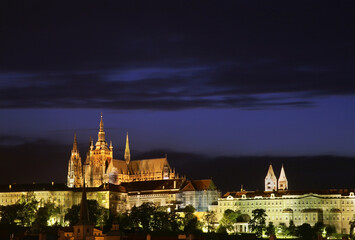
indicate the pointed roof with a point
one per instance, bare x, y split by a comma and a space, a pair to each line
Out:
282, 174
270, 172
127, 153
101, 124
199, 185
84, 213
75, 144
101, 142
188, 187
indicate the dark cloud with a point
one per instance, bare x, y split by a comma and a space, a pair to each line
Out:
175, 55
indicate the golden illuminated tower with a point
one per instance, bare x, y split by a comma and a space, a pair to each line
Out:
75, 177
127, 153
270, 180
98, 160
283, 183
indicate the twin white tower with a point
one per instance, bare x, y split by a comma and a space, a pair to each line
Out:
271, 183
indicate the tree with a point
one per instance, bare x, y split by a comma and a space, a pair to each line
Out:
229, 218
142, 216
97, 215
270, 229
209, 219
283, 229
9, 213
306, 232
352, 227
44, 213
189, 209
292, 228
28, 209
257, 222
190, 223
318, 228
330, 230
72, 215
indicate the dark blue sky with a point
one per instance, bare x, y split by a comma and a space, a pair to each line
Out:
205, 77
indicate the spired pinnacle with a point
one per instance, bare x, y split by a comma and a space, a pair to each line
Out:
101, 124
127, 152
101, 142
75, 144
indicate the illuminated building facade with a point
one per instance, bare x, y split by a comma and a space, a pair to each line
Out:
332, 207
109, 196
117, 185
100, 167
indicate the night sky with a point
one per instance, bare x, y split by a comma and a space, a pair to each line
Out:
222, 87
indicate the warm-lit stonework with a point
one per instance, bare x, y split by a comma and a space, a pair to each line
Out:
100, 167
116, 184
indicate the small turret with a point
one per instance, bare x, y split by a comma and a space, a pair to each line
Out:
75, 144
91, 144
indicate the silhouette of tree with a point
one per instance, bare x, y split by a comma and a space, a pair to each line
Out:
257, 222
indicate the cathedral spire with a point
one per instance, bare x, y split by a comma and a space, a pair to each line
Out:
270, 180
101, 142
283, 183
75, 144
101, 124
127, 152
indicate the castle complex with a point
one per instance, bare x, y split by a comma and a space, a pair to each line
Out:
121, 184
116, 184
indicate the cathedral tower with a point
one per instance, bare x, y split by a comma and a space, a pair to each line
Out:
75, 177
283, 183
98, 159
270, 180
127, 152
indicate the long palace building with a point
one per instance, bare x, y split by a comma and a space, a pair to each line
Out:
333, 207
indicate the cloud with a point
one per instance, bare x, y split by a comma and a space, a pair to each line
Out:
167, 57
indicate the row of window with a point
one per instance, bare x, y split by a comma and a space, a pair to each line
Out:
227, 203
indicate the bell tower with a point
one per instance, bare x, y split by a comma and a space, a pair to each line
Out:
283, 183
98, 159
270, 180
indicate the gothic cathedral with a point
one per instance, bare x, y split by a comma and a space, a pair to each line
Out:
100, 167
